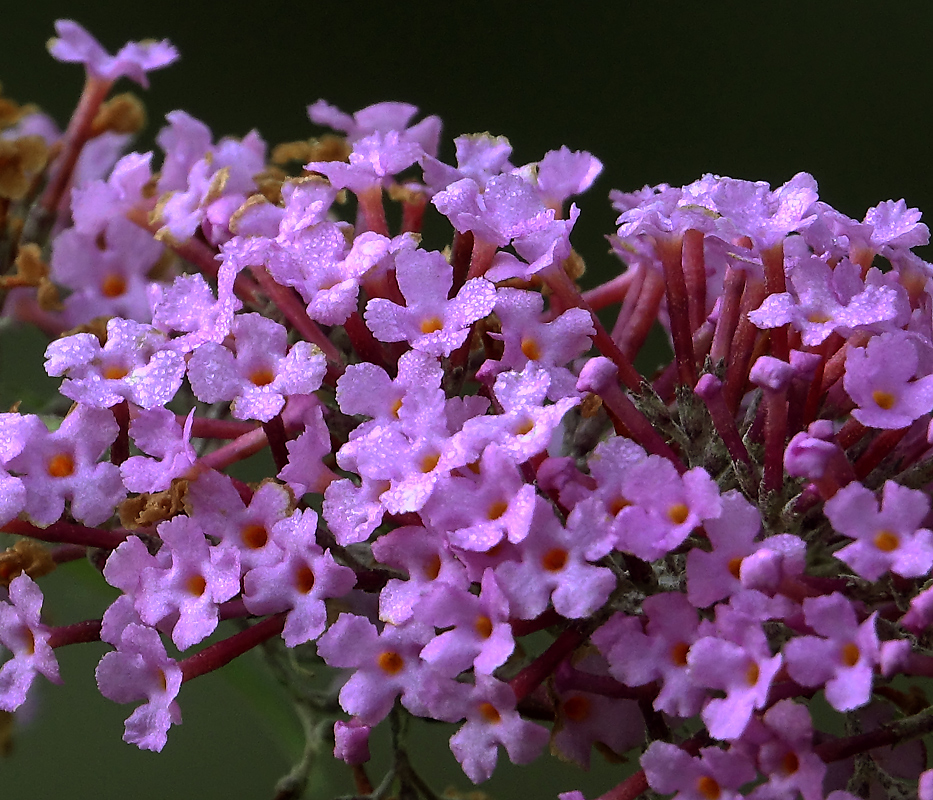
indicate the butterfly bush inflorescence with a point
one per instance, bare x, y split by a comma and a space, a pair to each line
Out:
464, 454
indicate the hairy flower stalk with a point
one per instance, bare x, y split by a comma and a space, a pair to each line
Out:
464, 458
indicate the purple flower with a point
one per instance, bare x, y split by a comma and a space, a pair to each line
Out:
158, 433
140, 669
133, 60
259, 376
135, 364
715, 774
299, 582
381, 118
554, 567
429, 322
386, 665
711, 576
22, 633
842, 657
786, 755
62, 465
880, 378
187, 590
660, 652
478, 635
491, 720
887, 539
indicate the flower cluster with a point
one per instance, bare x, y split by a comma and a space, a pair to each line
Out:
464, 455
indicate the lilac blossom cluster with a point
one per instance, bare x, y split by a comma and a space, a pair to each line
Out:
464, 454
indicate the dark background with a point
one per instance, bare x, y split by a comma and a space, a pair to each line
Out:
658, 91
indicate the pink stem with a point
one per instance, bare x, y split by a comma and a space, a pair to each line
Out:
678, 307
223, 652
79, 633
372, 211
729, 312
694, 267
68, 533
294, 311
544, 665
560, 283
709, 389
772, 259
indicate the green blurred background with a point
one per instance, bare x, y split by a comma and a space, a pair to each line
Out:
658, 91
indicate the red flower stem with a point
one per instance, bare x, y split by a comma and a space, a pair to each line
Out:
200, 255
629, 789
564, 289
413, 208
294, 311
480, 258
538, 670
730, 309
207, 428
627, 419
120, 449
637, 276
63, 553
606, 686
812, 406
694, 269
68, 533
877, 451
742, 346
79, 633
836, 364
775, 402
223, 652
460, 253
522, 627
641, 315
612, 291
275, 433
896, 732
670, 252
364, 343
773, 260
709, 389
78, 133
372, 212
851, 432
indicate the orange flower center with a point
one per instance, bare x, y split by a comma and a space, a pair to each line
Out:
554, 559
196, 585
483, 626
530, 349
735, 566
790, 763
390, 662
489, 713
431, 325
576, 708
708, 787
884, 400
115, 372
678, 513
254, 536
61, 465
886, 541
113, 286
262, 377
432, 567
850, 654
304, 580
679, 654
496, 510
